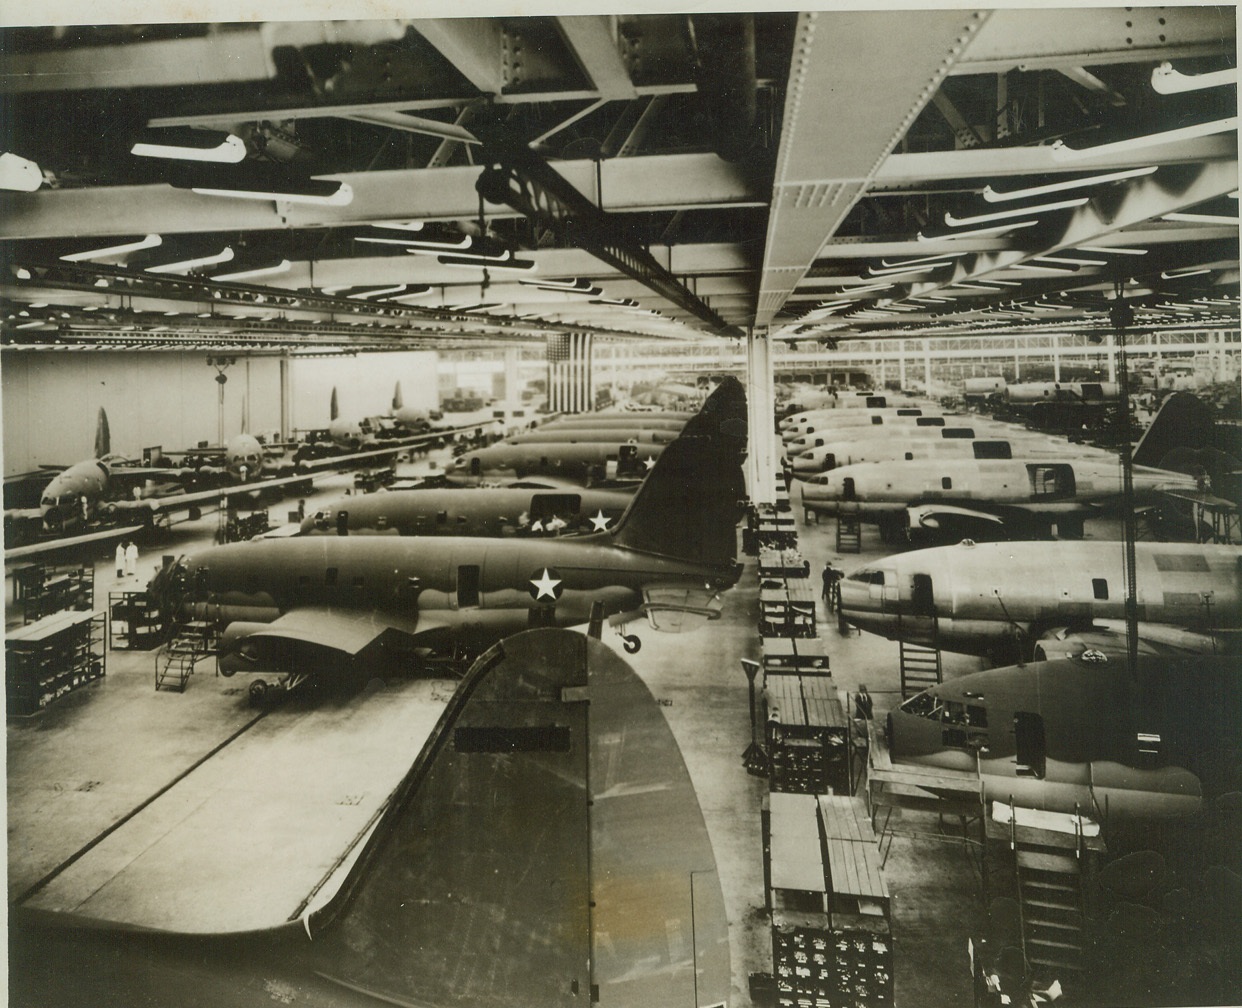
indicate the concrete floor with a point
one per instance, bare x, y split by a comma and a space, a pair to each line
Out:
245, 836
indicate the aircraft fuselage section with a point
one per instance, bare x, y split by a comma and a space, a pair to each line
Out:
980, 595
429, 576
552, 459
1063, 734
61, 503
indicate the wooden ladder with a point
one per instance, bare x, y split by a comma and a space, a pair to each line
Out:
1049, 869
175, 662
849, 534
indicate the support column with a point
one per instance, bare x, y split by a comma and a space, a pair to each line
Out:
901, 363
284, 396
1056, 359
762, 461
1112, 358
927, 386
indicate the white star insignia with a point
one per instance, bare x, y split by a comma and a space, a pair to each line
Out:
648, 463
599, 521
545, 586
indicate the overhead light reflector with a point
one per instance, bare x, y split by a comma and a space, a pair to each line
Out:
1166, 80
1062, 152
284, 266
1193, 218
952, 221
183, 143
150, 241
223, 256
992, 196
996, 229
17, 174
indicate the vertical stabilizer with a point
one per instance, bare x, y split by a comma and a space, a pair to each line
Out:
333, 410
688, 506
103, 437
1183, 421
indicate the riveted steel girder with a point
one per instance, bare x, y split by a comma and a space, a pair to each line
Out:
593, 41
881, 71
696, 180
472, 45
1032, 39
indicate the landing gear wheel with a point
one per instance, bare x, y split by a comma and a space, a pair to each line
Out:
631, 643
258, 692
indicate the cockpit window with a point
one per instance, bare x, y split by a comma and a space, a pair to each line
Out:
867, 576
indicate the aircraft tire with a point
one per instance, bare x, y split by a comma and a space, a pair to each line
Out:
631, 643
258, 692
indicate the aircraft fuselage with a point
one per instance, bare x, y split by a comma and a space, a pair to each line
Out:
980, 595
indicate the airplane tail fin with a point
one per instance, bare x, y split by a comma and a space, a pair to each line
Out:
103, 436
491, 838
334, 411
396, 397
688, 506
1183, 421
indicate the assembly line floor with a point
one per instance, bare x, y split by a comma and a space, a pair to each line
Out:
182, 811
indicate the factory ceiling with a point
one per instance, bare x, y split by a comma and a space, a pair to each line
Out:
451, 181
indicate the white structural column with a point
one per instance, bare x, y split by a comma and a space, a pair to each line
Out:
880, 69
513, 376
762, 461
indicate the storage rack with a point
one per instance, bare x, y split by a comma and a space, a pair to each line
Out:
43, 590
51, 657
134, 621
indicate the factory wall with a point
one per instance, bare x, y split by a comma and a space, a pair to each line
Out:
50, 400
364, 385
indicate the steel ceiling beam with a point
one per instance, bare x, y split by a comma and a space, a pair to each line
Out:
881, 71
1040, 39
472, 45
593, 41
693, 180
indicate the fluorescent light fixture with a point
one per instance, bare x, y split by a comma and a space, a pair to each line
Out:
921, 259
330, 194
189, 144
922, 268
952, 221
30, 325
223, 256
399, 225
992, 196
18, 174
865, 289
996, 284
1061, 152
425, 247
1029, 265
508, 264
1120, 250
1166, 80
284, 266
619, 302
150, 241
1072, 262
1193, 218
576, 285
977, 233
1189, 271
373, 292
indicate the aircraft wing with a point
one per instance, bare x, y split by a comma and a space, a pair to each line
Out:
174, 502
344, 630
1105, 640
372, 454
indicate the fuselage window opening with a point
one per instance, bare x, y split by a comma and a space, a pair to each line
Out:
867, 577
1099, 587
946, 483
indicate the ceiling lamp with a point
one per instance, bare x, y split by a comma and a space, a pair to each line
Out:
420, 246
992, 196
17, 174
1191, 218
952, 221
482, 262
1062, 152
1071, 262
1166, 80
284, 266
150, 241
618, 302
922, 268
185, 143
185, 265
1187, 272
399, 225
921, 259
258, 181
996, 229
1120, 250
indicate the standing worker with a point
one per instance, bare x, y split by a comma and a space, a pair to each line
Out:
829, 577
131, 559
120, 559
